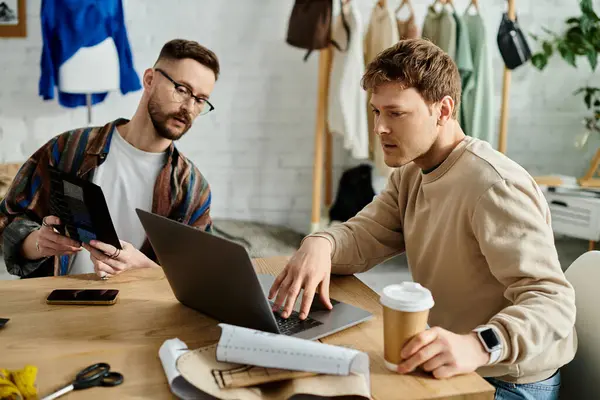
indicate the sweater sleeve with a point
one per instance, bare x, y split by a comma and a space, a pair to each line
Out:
369, 238
511, 222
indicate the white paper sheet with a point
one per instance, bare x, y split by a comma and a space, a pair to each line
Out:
168, 353
247, 346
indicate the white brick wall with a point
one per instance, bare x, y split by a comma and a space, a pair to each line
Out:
256, 149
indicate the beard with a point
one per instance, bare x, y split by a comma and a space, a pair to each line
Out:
160, 119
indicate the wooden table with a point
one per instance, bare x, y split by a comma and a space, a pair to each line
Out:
60, 340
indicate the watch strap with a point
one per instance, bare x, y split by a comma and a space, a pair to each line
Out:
494, 356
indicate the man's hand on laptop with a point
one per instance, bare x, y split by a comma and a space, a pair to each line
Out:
308, 269
47, 241
109, 261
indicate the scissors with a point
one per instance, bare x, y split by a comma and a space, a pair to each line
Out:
94, 375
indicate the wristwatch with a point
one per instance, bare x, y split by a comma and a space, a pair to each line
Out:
490, 341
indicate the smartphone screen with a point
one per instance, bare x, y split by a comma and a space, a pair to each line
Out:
83, 296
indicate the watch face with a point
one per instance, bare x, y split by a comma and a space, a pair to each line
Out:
489, 337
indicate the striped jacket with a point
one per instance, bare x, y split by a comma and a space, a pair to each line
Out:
180, 193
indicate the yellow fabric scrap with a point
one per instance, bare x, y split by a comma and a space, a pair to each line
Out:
18, 384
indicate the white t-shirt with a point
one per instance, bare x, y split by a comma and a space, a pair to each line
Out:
127, 178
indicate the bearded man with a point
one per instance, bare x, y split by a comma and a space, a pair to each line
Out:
136, 164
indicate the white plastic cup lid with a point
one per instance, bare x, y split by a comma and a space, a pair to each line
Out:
407, 296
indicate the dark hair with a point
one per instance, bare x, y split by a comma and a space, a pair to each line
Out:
178, 49
419, 64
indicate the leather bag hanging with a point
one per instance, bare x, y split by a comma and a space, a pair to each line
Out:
309, 25
512, 44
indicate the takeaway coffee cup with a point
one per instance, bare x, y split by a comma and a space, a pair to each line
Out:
405, 311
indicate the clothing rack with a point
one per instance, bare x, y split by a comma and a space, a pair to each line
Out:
322, 139
324, 142
505, 92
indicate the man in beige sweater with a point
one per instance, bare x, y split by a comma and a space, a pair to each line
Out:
474, 225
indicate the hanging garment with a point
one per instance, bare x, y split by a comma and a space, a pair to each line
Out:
381, 34
69, 25
407, 29
440, 28
463, 60
478, 93
346, 97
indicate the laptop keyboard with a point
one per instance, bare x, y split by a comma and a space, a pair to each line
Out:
293, 324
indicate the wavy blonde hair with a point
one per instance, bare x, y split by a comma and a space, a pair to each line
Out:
418, 64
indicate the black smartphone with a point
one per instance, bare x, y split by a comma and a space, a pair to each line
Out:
3, 322
83, 296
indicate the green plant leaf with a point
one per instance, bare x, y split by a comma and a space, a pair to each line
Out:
566, 53
579, 90
572, 21
588, 100
590, 15
586, 25
593, 58
585, 48
547, 46
594, 37
588, 10
539, 60
586, 6
534, 37
588, 45
575, 40
597, 103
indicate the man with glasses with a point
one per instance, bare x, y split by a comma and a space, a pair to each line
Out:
134, 162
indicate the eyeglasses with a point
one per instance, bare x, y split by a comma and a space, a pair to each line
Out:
182, 93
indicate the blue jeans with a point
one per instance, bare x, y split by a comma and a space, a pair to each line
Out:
542, 390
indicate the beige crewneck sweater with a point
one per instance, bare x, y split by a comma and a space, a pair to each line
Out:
477, 233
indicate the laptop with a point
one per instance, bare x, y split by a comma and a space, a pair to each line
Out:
216, 277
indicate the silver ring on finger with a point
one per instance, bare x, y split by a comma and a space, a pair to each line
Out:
115, 255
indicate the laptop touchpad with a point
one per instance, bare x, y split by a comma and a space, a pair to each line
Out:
317, 304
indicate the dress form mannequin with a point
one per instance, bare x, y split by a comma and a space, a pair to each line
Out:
91, 70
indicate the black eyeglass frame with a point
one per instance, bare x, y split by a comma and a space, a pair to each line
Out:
197, 100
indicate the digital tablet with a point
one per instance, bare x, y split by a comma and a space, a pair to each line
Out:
82, 209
